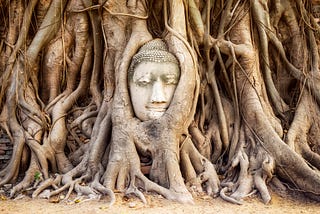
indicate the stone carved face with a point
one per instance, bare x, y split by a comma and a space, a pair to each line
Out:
152, 87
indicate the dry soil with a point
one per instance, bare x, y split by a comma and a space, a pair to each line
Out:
280, 203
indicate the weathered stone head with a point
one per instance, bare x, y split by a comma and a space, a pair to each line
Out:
153, 76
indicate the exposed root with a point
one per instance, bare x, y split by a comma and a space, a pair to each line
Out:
132, 189
28, 179
54, 182
123, 173
197, 169
224, 196
263, 166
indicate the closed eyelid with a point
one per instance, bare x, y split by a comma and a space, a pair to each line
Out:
142, 79
170, 78
143, 82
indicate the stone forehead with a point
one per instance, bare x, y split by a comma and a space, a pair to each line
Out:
153, 51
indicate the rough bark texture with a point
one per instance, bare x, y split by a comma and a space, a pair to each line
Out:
245, 111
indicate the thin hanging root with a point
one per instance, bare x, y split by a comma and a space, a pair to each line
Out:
217, 147
312, 80
213, 81
196, 21
97, 43
23, 31
263, 25
228, 198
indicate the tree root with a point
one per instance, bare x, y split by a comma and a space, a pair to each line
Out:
297, 136
123, 171
95, 184
28, 179
254, 172
223, 194
92, 189
54, 182
197, 169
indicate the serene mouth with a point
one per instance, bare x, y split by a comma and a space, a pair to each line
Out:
156, 109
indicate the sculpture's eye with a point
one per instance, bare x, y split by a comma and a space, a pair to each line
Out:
170, 80
143, 82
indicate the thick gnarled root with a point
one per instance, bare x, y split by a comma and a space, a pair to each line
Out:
130, 180
198, 171
254, 173
123, 172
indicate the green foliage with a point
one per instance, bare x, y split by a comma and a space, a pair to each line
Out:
37, 176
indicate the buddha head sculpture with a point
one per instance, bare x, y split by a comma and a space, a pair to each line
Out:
153, 77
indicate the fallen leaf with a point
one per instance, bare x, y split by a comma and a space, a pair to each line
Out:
104, 208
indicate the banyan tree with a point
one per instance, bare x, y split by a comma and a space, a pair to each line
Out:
243, 111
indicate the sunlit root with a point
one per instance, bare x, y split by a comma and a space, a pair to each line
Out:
263, 168
95, 184
123, 172
243, 184
198, 171
298, 134
54, 182
254, 172
223, 194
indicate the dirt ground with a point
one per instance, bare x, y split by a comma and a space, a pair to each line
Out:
280, 203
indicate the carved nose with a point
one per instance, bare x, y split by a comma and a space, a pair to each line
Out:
158, 95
